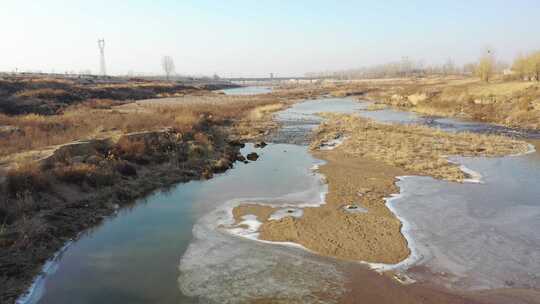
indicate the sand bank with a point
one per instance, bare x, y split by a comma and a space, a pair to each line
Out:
334, 228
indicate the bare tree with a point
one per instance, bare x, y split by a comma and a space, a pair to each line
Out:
168, 65
449, 67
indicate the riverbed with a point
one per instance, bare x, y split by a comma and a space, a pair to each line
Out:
249, 90
172, 248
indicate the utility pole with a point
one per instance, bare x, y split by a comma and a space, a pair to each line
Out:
101, 45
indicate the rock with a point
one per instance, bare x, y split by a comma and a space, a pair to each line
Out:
221, 165
207, 174
261, 144
354, 208
240, 157
236, 143
252, 156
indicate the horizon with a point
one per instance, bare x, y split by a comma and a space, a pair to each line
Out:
246, 39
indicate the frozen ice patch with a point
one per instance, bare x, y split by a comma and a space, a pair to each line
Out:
221, 268
36, 290
332, 144
248, 228
473, 176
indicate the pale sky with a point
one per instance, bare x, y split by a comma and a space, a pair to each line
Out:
257, 37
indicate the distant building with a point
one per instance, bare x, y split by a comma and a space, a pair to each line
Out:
508, 72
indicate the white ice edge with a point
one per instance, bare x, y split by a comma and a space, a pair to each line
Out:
414, 257
251, 220
35, 291
476, 177
532, 149
253, 225
332, 144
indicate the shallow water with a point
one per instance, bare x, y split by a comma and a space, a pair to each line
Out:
476, 236
299, 120
172, 248
134, 257
252, 90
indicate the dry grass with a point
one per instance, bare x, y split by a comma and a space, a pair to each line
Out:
25, 179
504, 88
509, 103
94, 119
80, 173
260, 112
46, 93
376, 107
419, 150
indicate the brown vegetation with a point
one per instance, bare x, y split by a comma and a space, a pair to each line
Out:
48, 96
419, 150
63, 173
97, 119
510, 103
527, 67
25, 179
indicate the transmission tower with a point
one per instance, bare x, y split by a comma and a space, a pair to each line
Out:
101, 45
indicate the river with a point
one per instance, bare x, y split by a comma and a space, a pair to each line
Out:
249, 90
171, 247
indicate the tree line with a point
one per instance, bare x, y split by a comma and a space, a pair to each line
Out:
527, 67
524, 67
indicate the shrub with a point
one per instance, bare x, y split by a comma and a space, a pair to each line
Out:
75, 173
126, 169
100, 103
524, 105
80, 173
101, 178
40, 93
133, 150
27, 178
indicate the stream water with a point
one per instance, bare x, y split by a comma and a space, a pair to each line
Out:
251, 90
171, 248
